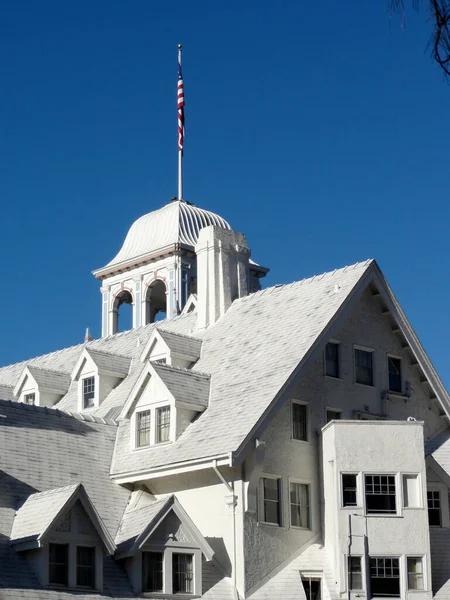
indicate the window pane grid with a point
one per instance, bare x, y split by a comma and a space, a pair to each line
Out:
163, 424
152, 571
363, 367
88, 391
384, 577
354, 573
415, 573
271, 500
299, 494
380, 494
29, 398
434, 508
58, 564
349, 490
86, 566
143, 428
299, 428
182, 573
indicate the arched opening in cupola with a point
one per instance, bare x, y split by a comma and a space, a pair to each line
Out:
156, 302
123, 312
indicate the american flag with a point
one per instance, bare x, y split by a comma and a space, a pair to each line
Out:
180, 109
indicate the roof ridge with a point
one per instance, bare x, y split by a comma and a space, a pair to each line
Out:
182, 335
174, 368
55, 490
47, 354
59, 412
306, 280
109, 353
137, 509
49, 370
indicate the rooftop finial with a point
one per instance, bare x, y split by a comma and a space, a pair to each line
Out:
88, 335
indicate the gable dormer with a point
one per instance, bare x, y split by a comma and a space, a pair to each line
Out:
163, 402
63, 538
172, 348
42, 387
158, 541
97, 373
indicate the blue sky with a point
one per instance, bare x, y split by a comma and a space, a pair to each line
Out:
320, 132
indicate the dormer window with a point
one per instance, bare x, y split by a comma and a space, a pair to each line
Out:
143, 428
58, 564
88, 392
182, 573
162, 424
86, 566
29, 399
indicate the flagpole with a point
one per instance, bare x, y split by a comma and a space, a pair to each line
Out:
180, 150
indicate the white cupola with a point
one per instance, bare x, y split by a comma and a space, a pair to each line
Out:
156, 269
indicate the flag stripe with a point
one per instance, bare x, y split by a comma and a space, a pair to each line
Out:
180, 109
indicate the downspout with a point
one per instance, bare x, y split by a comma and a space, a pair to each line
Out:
231, 501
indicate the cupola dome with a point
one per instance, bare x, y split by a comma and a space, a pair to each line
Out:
175, 224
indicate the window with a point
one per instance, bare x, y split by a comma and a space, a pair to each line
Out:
434, 508
29, 398
152, 571
384, 577
182, 573
88, 392
363, 367
395, 374
271, 496
299, 422
86, 566
162, 424
415, 573
380, 494
312, 588
299, 499
349, 490
411, 496
332, 359
143, 428
333, 415
354, 573
58, 564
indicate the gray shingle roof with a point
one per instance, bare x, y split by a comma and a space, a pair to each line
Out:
189, 387
38, 512
439, 449
182, 344
47, 378
262, 338
135, 521
106, 361
6, 392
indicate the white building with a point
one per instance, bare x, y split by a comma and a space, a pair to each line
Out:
292, 442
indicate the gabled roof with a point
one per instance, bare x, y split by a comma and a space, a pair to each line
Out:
187, 388
183, 346
41, 511
139, 524
46, 379
107, 363
256, 353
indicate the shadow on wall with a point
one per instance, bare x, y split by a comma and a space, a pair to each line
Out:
220, 554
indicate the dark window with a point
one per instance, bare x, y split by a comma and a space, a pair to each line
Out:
86, 566
415, 573
299, 423
363, 367
312, 588
88, 392
58, 563
395, 374
163, 424
271, 489
152, 571
143, 428
354, 573
434, 508
182, 573
29, 398
384, 577
380, 494
332, 359
299, 499
333, 415
349, 497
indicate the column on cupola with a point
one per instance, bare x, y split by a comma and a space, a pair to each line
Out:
105, 291
137, 305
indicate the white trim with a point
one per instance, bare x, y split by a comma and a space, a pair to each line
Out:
174, 469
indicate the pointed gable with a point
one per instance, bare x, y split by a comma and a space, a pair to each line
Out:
174, 348
43, 511
140, 525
